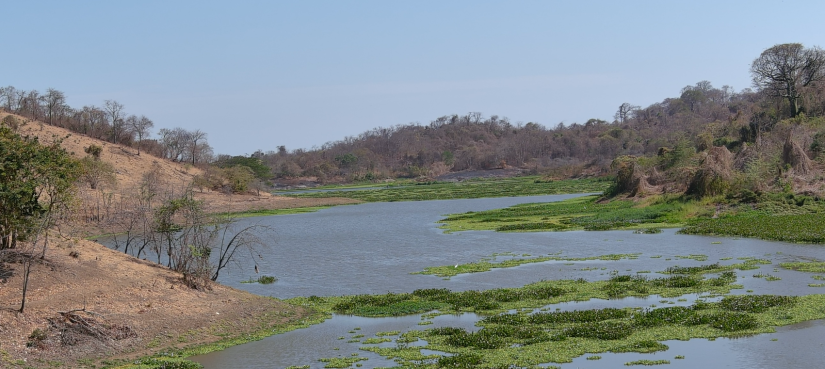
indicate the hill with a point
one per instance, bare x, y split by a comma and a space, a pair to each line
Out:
86, 302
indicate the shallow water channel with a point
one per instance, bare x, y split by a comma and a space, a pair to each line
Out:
372, 248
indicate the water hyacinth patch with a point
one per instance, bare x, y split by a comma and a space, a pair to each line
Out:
491, 301
585, 213
756, 303
647, 362
805, 266
446, 271
512, 338
802, 228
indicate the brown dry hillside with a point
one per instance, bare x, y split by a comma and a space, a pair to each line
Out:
130, 169
128, 307
129, 166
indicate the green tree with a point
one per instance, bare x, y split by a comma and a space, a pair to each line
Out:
34, 180
95, 172
261, 171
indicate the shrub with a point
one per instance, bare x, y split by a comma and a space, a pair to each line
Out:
94, 151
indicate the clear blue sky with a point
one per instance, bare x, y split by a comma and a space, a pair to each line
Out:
258, 74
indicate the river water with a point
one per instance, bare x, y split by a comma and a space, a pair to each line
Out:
372, 248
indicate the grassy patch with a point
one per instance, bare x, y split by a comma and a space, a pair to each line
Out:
268, 212
584, 213
472, 189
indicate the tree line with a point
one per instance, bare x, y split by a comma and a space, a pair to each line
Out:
787, 83
109, 122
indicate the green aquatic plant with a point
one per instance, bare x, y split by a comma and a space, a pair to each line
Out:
513, 338
802, 228
264, 279
756, 303
446, 271
805, 266
584, 213
499, 187
647, 362
341, 362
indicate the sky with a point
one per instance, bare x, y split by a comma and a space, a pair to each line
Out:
255, 75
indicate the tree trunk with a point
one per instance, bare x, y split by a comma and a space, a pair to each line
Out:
27, 267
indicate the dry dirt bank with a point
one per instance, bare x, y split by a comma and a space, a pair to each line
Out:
134, 308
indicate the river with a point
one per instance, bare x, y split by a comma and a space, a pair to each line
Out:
373, 248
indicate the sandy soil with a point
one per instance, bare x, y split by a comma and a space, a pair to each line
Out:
144, 301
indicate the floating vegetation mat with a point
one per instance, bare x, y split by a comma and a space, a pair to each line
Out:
804, 228
518, 328
490, 263
583, 213
805, 266
525, 339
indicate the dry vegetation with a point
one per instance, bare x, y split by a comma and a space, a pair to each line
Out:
86, 301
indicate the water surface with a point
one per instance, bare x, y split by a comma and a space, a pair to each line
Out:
373, 248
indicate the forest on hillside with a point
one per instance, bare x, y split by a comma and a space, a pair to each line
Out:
788, 87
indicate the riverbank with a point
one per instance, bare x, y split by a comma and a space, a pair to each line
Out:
88, 305
772, 216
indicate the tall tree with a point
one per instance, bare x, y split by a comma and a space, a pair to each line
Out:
624, 112
784, 70
141, 127
53, 101
194, 137
174, 142
115, 114
33, 179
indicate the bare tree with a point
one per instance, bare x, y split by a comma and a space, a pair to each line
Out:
784, 70
141, 127
53, 101
175, 142
30, 103
194, 137
8, 98
115, 114
198, 244
624, 112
